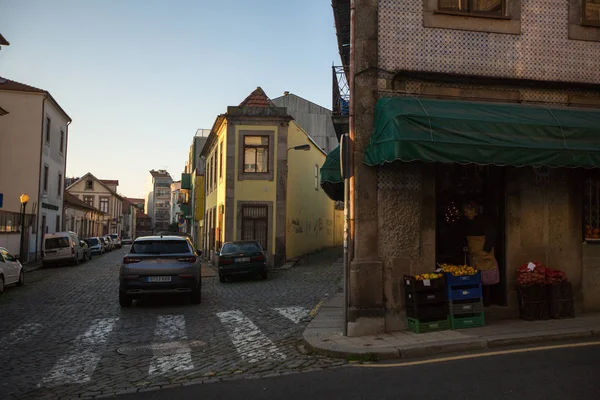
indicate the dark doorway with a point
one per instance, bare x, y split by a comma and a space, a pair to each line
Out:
255, 224
484, 184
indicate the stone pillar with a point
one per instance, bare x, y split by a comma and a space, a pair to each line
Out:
366, 314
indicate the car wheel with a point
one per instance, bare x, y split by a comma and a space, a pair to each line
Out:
124, 300
21, 281
264, 275
197, 295
1, 284
222, 278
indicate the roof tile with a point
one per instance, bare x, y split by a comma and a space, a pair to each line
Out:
258, 98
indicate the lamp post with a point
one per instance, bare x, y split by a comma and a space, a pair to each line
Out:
24, 199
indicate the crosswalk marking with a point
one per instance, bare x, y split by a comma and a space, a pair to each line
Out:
252, 345
83, 357
295, 314
21, 334
170, 328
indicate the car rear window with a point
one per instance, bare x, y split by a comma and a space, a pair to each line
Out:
92, 242
57, 243
160, 247
114, 236
230, 248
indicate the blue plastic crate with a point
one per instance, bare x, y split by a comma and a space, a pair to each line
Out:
465, 293
452, 280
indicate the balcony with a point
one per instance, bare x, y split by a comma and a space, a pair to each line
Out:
186, 181
183, 198
185, 211
340, 100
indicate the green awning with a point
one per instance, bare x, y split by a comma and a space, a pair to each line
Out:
413, 129
331, 176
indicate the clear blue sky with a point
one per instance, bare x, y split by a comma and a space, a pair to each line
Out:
139, 77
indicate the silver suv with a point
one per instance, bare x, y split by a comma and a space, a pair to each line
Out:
116, 240
160, 265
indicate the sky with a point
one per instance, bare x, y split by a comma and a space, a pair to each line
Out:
139, 77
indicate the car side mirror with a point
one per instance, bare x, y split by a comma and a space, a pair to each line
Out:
217, 253
199, 253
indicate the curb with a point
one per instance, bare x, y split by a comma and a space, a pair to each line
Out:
30, 267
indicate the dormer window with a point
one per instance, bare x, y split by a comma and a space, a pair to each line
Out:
89, 184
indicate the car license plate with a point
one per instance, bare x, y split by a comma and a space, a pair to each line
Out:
242, 259
159, 279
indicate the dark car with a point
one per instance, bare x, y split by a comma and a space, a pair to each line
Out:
160, 265
241, 258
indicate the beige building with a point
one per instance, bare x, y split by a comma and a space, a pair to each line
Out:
101, 194
34, 138
81, 218
498, 104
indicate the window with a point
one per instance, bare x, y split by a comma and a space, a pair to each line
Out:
89, 200
46, 170
59, 185
160, 247
256, 154
58, 223
89, 184
57, 243
215, 170
591, 12
316, 177
491, 7
48, 123
62, 141
11, 221
221, 161
104, 204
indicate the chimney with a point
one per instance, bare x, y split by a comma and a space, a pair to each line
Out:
286, 93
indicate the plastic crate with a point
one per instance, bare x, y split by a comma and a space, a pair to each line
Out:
424, 326
467, 321
426, 297
452, 280
461, 307
465, 293
560, 300
413, 285
439, 310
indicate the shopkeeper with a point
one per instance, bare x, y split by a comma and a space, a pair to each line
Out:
480, 240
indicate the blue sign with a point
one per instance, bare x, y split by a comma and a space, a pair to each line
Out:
1, 199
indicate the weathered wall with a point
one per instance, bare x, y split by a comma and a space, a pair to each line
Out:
590, 278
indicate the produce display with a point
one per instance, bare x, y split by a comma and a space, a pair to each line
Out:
535, 273
458, 270
428, 276
592, 233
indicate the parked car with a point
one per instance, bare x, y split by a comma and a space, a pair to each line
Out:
116, 240
109, 243
244, 257
11, 270
160, 265
105, 244
127, 240
95, 245
87, 251
62, 248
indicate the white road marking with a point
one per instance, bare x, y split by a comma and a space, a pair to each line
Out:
295, 314
249, 341
83, 357
21, 334
170, 328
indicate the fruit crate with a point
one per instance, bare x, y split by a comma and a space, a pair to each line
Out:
560, 300
465, 321
533, 302
452, 280
411, 284
433, 310
471, 306
426, 297
426, 325
464, 292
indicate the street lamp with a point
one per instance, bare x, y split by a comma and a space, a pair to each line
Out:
24, 199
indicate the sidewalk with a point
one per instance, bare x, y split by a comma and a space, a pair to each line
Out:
324, 336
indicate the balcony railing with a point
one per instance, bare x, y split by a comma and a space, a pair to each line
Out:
340, 91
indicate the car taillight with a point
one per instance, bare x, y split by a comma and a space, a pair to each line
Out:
131, 260
258, 258
225, 261
187, 259
186, 276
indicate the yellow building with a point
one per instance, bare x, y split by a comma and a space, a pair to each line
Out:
262, 183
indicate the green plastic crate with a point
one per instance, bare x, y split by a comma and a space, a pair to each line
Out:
419, 326
467, 321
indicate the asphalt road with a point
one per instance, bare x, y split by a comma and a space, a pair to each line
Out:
63, 334
569, 373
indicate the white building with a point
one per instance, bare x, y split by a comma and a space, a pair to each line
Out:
34, 137
158, 199
175, 204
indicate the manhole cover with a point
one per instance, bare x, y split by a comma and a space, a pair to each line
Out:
161, 349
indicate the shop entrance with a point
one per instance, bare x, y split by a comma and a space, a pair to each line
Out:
485, 186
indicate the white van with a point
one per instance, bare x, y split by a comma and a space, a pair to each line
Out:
62, 248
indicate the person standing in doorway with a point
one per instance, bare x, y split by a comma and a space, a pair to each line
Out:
480, 238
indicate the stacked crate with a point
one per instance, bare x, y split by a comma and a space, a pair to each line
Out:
426, 304
466, 302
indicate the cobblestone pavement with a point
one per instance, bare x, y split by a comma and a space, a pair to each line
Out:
63, 334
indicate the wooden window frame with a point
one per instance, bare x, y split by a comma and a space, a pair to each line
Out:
584, 20
46, 178
508, 24
221, 161
48, 127
91, 203
90, 187
262, 146
60, 183
469, 13
107, 204
62, 142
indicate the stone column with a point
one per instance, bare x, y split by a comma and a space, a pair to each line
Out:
366, 314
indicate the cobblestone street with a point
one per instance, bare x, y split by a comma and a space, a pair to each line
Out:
64, 335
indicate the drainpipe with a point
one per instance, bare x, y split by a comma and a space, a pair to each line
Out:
39, 181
